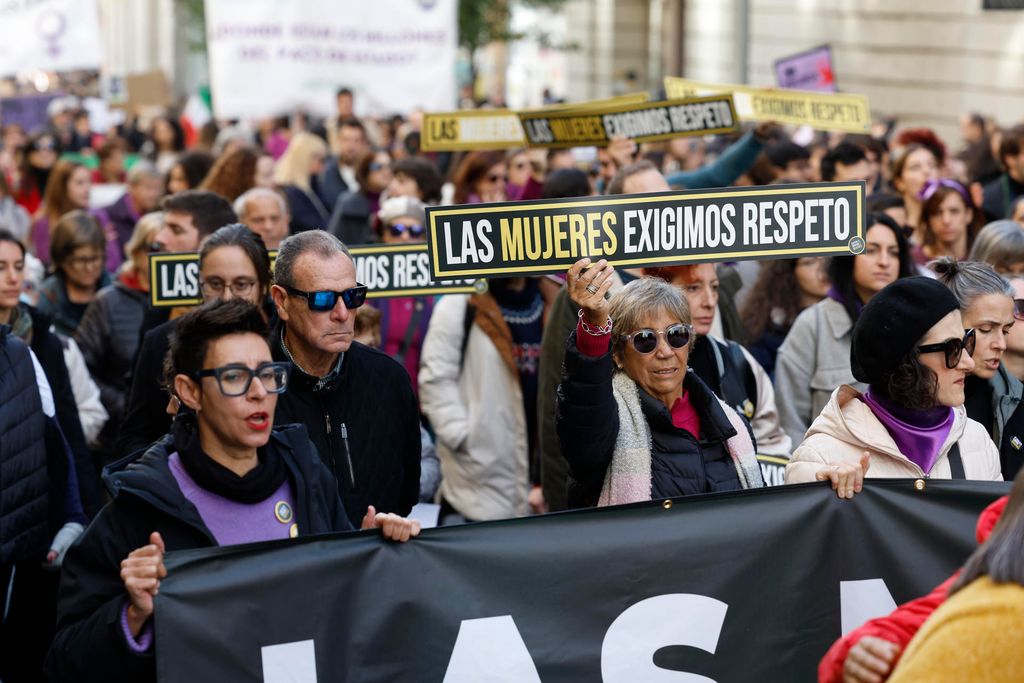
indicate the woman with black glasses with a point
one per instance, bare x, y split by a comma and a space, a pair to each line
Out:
221, 477
633, 422
993, 395
910, 347
233, 264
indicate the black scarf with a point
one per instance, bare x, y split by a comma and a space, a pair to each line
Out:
256, 486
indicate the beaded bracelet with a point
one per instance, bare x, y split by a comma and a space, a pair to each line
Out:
600, 331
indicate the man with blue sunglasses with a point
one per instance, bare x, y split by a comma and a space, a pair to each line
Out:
357, 403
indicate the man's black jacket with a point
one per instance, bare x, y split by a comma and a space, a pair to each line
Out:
373, 399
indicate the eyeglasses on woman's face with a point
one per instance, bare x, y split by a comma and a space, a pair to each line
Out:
235, 379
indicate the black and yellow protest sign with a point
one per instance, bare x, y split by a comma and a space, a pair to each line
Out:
824, 111
642, 122
388, 270
662, 228
496, 128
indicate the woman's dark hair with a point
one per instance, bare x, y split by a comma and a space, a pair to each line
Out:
238, 235
840, 269
474, 166
73, 230
363, 167
933, 204
566, 182
194, 331
8, 236
428, 178
911, 384
776, 288
233, 173
179, 135
195, 165
1001, 557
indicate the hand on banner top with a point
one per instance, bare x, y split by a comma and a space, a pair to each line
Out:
392, 527
622, 150
141, 572
871, 660
846, 479
588, 287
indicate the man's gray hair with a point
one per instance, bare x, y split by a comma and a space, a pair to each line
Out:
258, 193
640, 299
142, 170
317, 242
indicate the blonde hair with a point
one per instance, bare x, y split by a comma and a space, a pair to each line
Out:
293, 166
142, 236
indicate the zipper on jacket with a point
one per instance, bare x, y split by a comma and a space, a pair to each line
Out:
330, 451
348, 456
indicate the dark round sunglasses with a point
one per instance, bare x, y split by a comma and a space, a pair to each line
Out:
325, 300
953, 348
399, 229
645, 341
1018, 309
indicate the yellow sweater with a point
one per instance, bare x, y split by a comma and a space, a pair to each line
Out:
976, 635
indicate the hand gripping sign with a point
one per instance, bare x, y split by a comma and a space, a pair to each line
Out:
387, 271
663, 228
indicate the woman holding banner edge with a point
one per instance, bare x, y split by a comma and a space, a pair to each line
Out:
221, 476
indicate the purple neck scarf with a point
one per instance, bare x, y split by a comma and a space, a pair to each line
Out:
919, 434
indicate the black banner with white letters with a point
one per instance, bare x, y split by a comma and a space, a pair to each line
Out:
745, 586
510, 239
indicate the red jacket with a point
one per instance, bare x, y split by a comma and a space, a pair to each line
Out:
900, 626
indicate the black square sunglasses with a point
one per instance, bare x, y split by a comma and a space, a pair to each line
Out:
953, 348
325, 300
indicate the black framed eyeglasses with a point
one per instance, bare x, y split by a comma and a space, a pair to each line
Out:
325, 300
234, 379
1018, 309
953, 348
399, 229
646, 340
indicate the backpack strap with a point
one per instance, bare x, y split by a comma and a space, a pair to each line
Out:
956, 463
467, 325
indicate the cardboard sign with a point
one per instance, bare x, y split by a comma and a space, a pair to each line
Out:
387, 270
643, 122
807, 70
662, 228
842, 112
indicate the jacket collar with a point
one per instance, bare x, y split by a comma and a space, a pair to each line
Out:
147, 475
713, 422
300, 379
836, 317
1005, 386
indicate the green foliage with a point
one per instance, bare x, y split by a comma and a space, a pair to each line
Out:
486, 21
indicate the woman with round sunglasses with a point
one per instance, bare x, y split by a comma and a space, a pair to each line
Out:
354, 214
949, 221
993, 395
221, 476
404, 319
233, 264
910, 348
634, 422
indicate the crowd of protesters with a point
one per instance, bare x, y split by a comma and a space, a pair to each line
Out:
289, 404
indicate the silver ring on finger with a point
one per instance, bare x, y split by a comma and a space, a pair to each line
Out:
591, 288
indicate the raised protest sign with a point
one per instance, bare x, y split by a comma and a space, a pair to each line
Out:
841, 112
494, 128
807, 70
387, 271
746, 586
663, 228
395, 55
49, 35
643, 122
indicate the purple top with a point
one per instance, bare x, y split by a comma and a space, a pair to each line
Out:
230, 523
919, 434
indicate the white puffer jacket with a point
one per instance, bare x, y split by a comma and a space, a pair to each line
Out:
846, 429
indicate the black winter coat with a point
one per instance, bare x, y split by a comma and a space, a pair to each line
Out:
90, 644
587, 421
109, 338
145, 418
50, 353
373, 401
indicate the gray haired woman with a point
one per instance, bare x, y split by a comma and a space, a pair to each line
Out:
634, 423
993, 395
1000, 244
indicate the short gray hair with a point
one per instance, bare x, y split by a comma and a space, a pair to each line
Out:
969, 280
257, 193
317, 242
640, 298
142, 170
999, 244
